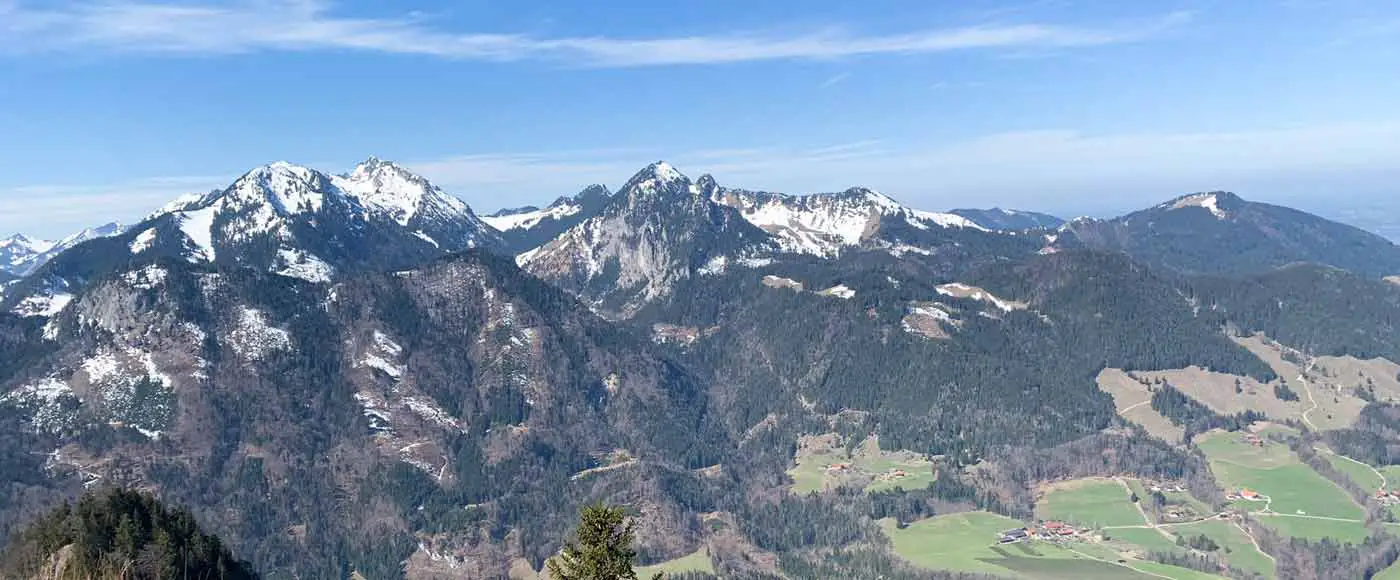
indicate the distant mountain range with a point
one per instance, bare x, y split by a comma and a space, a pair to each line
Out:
1009, 220
1220, 233
356, 374
527, 227
20, 255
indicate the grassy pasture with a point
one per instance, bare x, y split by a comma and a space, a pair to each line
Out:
956, 542
698, 561
1274, 471
1359, 473
1235, 546
1391, 573
866, 465
1143, 539
1316, 529
1173, 571
1094, 503
966, 542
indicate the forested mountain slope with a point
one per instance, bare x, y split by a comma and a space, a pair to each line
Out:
1316, 309
1220, 233
372, 410
411, 404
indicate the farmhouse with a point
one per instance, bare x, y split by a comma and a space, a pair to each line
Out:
1014, 535
1391, 497
1249, 494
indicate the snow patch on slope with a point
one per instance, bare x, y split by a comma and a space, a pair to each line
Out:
426, 410
254, 338
295, 263
143, 241
51, 402
1205, 200
824, 224
46, 305
47, 389
376, 409
198, 226
959, 290
530, 219
839, 291
146, 278
382, 356
425, 237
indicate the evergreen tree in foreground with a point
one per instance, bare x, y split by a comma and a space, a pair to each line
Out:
119, 535
601, 548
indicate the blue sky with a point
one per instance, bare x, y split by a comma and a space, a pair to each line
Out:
110, 107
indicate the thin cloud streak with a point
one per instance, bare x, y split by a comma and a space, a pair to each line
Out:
834, 80
309, 25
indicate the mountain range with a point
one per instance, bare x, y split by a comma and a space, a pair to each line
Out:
527, 227
1220, 233
1009, 220
20, 255
357, 374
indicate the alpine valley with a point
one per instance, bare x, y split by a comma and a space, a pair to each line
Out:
357, 376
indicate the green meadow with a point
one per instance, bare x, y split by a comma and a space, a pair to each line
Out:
1274, 471
1093, 503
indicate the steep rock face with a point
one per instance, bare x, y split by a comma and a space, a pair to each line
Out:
659, 229
528, 227
281, 218
1220, 233
825, 224
374, 409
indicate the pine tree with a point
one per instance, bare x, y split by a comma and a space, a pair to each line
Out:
601, 548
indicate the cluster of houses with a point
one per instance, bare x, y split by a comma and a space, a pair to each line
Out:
886, 476
1252, 439
1244, 493
1049, 531
1167, 488
683, 335
1388, 497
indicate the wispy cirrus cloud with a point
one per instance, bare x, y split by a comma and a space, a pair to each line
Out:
252, 26
834, 80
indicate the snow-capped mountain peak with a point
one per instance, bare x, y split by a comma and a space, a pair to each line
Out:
662, 171
297, 221
657, 177
389, 189
290, 189
527, 218
102, 231
825, 223
21, 242
18, 250
21, 254
528, 227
